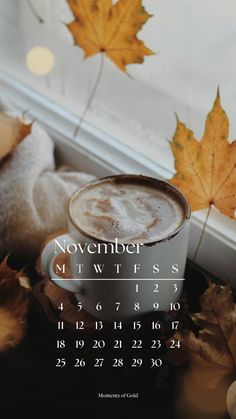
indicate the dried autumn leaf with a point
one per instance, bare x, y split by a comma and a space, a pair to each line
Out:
14, 305
12, 132
211, 355
100, 27
206, 169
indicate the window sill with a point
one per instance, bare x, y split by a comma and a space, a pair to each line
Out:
96, 152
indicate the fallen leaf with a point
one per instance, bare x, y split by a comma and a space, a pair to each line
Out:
103, 27
206, 169
12, 132
211, 353
14, 305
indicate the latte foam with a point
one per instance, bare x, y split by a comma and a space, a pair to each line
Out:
131, 212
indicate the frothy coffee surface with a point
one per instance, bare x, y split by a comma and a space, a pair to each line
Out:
130, 212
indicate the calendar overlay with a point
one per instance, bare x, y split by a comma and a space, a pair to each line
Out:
134, 344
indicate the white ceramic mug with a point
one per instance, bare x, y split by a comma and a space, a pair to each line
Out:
110, 296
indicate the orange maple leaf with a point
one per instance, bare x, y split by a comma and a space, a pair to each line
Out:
206, 169
13, 131
100, 27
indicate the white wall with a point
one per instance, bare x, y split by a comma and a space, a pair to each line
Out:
196, 45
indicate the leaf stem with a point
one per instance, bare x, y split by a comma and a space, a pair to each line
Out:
202, 234
34, 11
92, 94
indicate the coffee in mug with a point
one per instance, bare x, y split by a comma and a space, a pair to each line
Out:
127, 209
128, 239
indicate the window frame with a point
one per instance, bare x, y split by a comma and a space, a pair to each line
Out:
101, 154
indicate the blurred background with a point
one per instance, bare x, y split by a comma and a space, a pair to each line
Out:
195, 42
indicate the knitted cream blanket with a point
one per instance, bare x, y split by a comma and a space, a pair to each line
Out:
33, 195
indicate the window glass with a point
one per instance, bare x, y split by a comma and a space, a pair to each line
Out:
195, 46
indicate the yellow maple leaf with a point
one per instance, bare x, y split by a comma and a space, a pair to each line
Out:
12, 132
206, 169
101, 27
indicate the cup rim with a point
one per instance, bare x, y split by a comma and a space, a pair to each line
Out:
121, 178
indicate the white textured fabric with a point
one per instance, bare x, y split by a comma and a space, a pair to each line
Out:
33, 195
